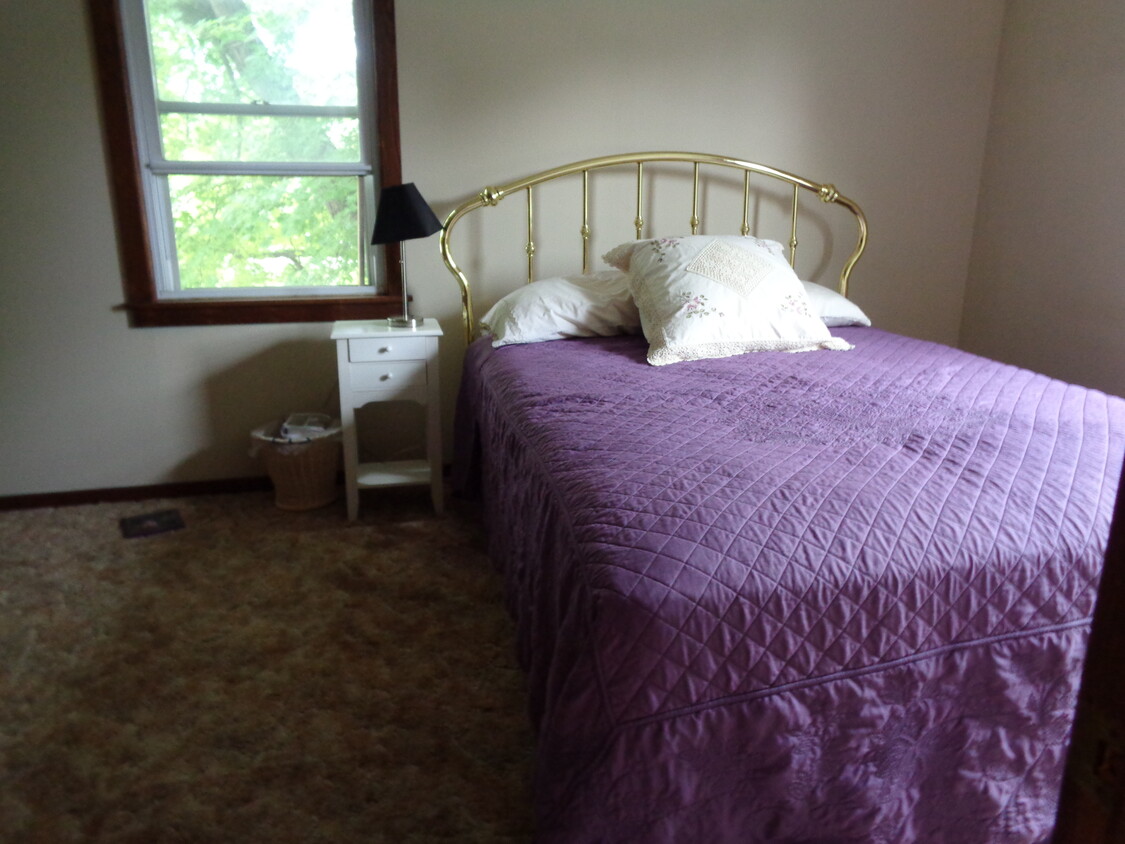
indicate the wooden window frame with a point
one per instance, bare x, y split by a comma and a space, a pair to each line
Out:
144, 307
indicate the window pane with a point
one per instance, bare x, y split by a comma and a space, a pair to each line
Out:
254, 51
266, 231
219, 137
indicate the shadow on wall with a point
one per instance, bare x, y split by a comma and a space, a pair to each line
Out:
295, 375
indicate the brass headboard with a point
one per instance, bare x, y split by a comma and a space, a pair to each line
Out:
491, 196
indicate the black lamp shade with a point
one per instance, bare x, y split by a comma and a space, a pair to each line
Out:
403, 215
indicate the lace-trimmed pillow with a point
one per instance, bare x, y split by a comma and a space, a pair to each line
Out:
710, 297
621, 256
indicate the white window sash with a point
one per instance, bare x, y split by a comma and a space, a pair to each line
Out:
255, 109
262, 292
164, 167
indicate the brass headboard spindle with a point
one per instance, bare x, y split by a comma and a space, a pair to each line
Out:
745, 229
585, 230
695, 198
639, 220
530, 248
793, 230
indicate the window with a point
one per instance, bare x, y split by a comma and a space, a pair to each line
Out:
247, 140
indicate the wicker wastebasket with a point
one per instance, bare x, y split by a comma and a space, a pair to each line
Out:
303, 470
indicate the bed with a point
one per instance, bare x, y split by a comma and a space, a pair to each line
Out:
777, 574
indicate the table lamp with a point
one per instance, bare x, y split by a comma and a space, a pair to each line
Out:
403, 215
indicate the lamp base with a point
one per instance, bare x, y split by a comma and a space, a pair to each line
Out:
403, 322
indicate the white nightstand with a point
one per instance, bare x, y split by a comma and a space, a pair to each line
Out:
378, 363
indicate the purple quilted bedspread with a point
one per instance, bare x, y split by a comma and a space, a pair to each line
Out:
816, 597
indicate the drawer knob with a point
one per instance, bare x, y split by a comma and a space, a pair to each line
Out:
385, 349
387, 376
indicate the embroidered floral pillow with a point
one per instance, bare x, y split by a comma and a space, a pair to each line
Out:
707, 297
621, 256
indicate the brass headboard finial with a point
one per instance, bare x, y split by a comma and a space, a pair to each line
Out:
491, 196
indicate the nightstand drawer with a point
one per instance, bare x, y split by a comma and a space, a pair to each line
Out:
388, 375
391, 348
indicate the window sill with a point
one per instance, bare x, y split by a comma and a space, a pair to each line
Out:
249, 311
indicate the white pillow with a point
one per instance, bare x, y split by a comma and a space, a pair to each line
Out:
621, 256
832, 308
708, 297
592, 305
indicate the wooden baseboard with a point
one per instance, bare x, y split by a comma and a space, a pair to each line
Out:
134, 493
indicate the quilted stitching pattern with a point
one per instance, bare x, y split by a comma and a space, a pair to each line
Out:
758, 521
794, 597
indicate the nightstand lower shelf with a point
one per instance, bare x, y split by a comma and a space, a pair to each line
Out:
392, 473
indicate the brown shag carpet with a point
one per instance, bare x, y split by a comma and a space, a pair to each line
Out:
259, 675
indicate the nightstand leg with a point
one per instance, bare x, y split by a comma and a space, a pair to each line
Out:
351, 461
433, 431
436, 488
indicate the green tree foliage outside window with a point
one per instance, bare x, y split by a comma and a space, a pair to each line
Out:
246, 82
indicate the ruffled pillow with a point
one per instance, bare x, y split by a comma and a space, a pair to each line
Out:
591, 305
709, 297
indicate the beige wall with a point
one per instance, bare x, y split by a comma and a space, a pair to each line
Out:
888, 100
1046, 284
